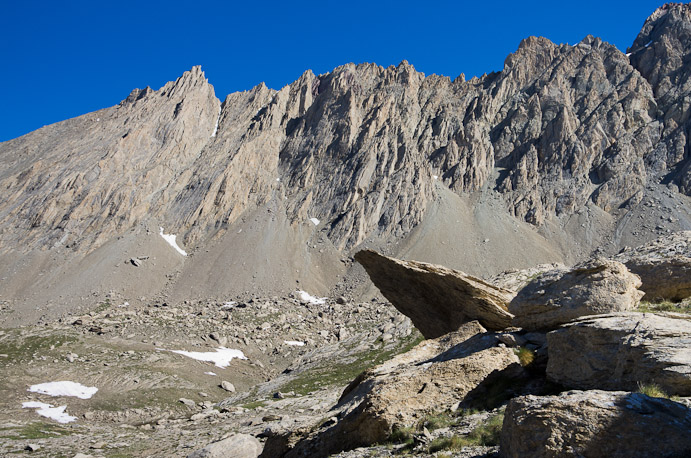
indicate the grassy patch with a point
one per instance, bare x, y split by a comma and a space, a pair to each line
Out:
334, 375
655, 391
403, 435
436, 421
664, 306
23, 349
525, 355
485, 434
35, 430
254, 404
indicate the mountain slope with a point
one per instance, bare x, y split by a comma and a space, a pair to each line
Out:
567, 150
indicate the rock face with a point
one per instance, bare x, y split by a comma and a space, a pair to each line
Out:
663, 265
236, 446
558, 296
562, 133
595, 424
432, 377
437, 299
620, 351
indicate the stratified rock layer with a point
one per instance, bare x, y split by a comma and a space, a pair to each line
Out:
594, 424
621, 351
558, 296
437, 299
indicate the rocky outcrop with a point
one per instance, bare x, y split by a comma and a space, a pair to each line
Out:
236, 446
558, 296
437, 299
661, 54
595, 424
621, 351
432, 377
663, 265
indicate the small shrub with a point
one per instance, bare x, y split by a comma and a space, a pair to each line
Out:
403, 435
486, 434
653, 390
435, 421
525, 355
664, 306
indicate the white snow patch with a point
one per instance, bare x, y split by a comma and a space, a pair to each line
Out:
307, 297
435, 176
315, 221
124, 305
294, 343
46, 410
64, 388
210, 373
228, 305
628, 54
218, 120
649, 43
221, 357
278, 179
170, 238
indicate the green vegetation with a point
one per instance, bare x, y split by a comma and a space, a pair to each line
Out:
343, 374
35, 430
436, 421
664, 306
485, 434
402, 435
103, 306
254, 404
525, 355
23, 349
653, 390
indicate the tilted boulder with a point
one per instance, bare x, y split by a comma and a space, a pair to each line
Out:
558, 296
664, 266
433, 376
595, 424
619, 351
437, 299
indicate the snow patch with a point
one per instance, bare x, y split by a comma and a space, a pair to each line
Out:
124, 305
294, 343
649, 43
628, 54
315, 221
228, 305
47, 410
307, 297
170, 238
218, 120
210, 373
435, 176
64, 388
221, 357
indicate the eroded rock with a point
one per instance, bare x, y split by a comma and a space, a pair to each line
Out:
236, 446
558, 296
595, 424
438, 300
621, 351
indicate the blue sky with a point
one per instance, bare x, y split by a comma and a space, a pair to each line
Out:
64, 59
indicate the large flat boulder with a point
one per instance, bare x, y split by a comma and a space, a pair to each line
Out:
619, 351
235, 446
594, 424
434, 376
664, 266
558, 296
438, 300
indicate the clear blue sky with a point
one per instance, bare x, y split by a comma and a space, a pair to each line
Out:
61, 59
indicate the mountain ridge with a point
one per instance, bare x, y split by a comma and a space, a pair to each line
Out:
580, 146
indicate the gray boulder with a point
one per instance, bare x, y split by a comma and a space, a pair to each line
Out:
663, 265
236, 446
595, 424
438, 300
619, 351
558, 296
